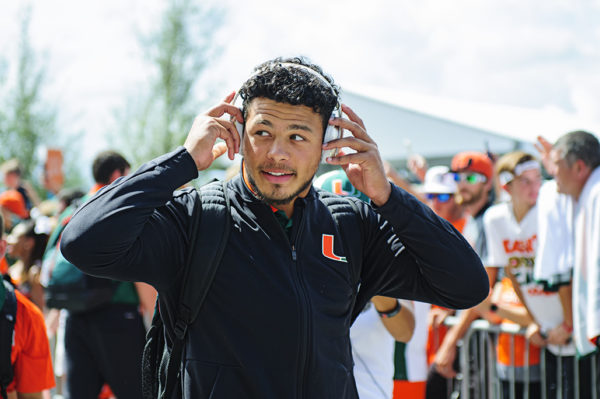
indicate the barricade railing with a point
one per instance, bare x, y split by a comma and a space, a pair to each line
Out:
479, 373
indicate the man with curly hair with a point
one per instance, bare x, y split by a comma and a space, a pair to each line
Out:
275, 322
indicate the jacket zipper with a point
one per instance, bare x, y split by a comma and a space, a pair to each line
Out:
305, 311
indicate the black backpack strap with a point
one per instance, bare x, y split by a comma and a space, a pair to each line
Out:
8, 317
207, 243
347, 218
152, 355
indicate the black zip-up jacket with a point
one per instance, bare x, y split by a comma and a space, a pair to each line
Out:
276, 320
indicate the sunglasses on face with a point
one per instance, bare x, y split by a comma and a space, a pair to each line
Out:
440, 197
471, 178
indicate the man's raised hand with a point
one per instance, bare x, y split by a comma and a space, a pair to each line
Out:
364, 168
207, 128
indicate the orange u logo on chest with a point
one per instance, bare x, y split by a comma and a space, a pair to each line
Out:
327, 248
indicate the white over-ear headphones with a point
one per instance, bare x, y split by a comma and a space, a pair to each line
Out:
331, 132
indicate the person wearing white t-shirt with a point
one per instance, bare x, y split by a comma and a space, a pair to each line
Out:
511, 234
575, 161
373, 351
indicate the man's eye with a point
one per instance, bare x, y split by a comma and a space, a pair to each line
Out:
262, 133
297, 137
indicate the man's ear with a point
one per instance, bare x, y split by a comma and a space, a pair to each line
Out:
581, 169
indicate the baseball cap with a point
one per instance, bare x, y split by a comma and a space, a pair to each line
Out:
337, 182
473, 161
14, 202
439, 180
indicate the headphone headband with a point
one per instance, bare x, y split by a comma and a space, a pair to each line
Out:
312, 72
331, 132
299, 66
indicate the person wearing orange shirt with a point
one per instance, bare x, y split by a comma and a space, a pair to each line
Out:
30, 352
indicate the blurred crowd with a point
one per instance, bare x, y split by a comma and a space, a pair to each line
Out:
524, 216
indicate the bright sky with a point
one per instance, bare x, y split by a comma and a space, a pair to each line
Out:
541, 54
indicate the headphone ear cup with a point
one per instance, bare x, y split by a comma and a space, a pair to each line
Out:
331, 133
237, 101
240, 129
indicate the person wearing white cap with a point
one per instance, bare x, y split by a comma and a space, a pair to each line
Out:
439, 190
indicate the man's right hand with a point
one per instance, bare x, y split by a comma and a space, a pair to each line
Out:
207, 128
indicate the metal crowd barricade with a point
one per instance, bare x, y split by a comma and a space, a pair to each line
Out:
478, 377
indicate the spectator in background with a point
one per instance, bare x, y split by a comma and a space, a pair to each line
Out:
12, 171
554, 269
511, 234
410, 359
26, 244
439, 190
105, 344
575, 162
473, 173
13, 208
30, 354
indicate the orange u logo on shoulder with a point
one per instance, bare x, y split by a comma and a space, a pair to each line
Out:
327, 248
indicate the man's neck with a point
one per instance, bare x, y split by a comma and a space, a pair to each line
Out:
580, 188
520, 210
288, 209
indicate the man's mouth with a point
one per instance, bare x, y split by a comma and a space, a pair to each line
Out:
277, 176
278, 173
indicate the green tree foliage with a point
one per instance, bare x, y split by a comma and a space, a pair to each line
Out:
157, 118
29, 122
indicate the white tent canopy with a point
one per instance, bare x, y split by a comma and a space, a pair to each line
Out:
403, 123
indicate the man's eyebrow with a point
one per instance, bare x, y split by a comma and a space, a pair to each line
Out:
265, 122
300, 127
294, 126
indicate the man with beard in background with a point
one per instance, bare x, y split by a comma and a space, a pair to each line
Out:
473, 175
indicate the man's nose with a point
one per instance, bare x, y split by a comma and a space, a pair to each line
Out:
279, 150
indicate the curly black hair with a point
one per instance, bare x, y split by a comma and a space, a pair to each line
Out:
280, 81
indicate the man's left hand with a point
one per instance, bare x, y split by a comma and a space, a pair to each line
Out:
364, 168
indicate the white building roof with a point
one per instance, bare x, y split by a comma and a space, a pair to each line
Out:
403, 123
